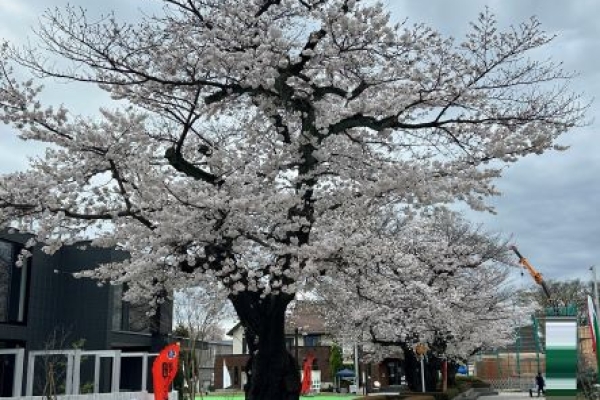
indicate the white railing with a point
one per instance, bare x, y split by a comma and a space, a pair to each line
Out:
98, 396
18, 368
71, 360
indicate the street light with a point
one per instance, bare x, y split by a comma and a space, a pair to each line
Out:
421, 349
595, 282
296, 331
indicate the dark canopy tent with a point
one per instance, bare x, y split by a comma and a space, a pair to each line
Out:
345, 373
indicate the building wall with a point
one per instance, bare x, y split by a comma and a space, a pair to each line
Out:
62, 309
237, 337
506, 365
236, 364
586, 349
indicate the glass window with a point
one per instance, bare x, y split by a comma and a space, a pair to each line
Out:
117, 317
13, 285
139, 321
311, 340
129, 317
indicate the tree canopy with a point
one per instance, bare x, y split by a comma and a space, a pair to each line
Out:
258, 141
254, 136
444, 285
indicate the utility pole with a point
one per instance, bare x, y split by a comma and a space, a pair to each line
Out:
356, 371
597, 309
296, 332
595, 282
537, 341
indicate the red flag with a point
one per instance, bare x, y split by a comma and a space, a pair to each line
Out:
307, 378
164, 370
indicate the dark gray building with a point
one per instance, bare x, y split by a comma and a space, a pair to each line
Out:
43, 307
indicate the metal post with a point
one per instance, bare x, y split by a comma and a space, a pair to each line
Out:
519, 351
18, 380
97, 373
116, 372
76, 372
296, 347
30, 372
499, 364
597, 306
423, 373
595, 282
69, 382
145, 372
445, 375
536, 337
356, 375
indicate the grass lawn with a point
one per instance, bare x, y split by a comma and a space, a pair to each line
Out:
328, 396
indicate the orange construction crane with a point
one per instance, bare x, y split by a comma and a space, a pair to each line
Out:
532, 271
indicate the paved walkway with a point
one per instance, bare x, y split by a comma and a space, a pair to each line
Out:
509, 396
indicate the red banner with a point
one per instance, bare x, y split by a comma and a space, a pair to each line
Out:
307, 375
164, 370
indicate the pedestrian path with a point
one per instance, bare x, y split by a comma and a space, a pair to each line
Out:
508, 396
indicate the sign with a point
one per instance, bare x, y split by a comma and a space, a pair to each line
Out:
421, 349
164, 370
307, 375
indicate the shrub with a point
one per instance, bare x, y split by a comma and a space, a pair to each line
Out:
452, 393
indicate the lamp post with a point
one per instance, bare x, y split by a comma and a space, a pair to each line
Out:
296, 331
595, 282
444, 374
356, 372
421, 349
597, 307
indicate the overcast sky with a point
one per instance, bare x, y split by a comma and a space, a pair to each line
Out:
550, 203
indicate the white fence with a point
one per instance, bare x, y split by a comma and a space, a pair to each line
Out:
71, 361
98, 396
18, 364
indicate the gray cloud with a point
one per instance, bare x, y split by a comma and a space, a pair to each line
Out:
550, 202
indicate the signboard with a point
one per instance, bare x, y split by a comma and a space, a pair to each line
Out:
164, 370
561, 357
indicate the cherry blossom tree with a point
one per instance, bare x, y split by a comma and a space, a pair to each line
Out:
252, 141
444, 284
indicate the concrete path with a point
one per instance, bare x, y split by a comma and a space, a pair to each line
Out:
510, 396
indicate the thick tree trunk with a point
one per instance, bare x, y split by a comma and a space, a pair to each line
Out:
452, 371
432, 366
272, 372
412, 370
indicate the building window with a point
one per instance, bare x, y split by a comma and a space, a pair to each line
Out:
311, 340
236, 376
244, 345
129, 317
14, 283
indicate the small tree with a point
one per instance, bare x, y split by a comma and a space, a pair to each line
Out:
199, 315
336, 361
51, 377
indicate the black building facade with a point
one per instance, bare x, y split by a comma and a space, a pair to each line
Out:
42, 306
